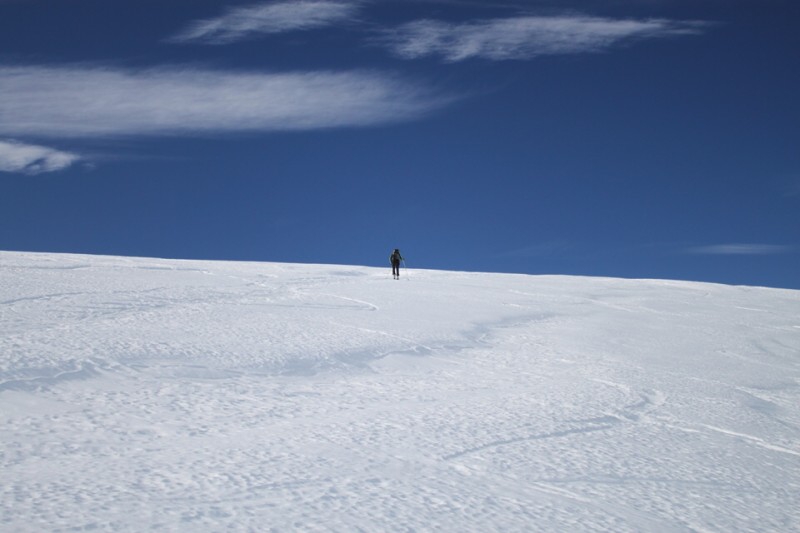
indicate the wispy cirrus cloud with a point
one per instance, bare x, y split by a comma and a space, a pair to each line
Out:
278, 17
93, 101
24, 158
741, 249
524, 37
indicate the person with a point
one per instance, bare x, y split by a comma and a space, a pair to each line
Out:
395, 259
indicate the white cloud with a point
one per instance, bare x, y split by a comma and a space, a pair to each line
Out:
741, 249
524, 37
243, 22
33, 159
86, 102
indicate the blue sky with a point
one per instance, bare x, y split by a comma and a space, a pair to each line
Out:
632, 138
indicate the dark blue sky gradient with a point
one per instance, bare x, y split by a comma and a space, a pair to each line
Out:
674, 157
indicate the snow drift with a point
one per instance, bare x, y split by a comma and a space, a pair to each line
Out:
140, 394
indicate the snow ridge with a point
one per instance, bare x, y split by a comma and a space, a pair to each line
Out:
138, 394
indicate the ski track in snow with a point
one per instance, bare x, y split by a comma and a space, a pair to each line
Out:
140, 394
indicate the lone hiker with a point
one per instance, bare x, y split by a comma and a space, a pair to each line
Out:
395, 259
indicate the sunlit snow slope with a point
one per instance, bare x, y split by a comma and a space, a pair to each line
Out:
138, 394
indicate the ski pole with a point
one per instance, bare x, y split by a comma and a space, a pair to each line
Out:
405, 266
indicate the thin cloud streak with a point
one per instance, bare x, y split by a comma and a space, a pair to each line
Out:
91, 102
741, 249
524, 37
244, 22
32, 159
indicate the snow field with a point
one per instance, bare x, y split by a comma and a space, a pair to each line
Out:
145, 394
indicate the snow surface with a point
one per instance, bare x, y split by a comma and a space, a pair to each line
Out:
143, 394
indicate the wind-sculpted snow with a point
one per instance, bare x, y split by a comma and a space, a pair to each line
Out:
143, 394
